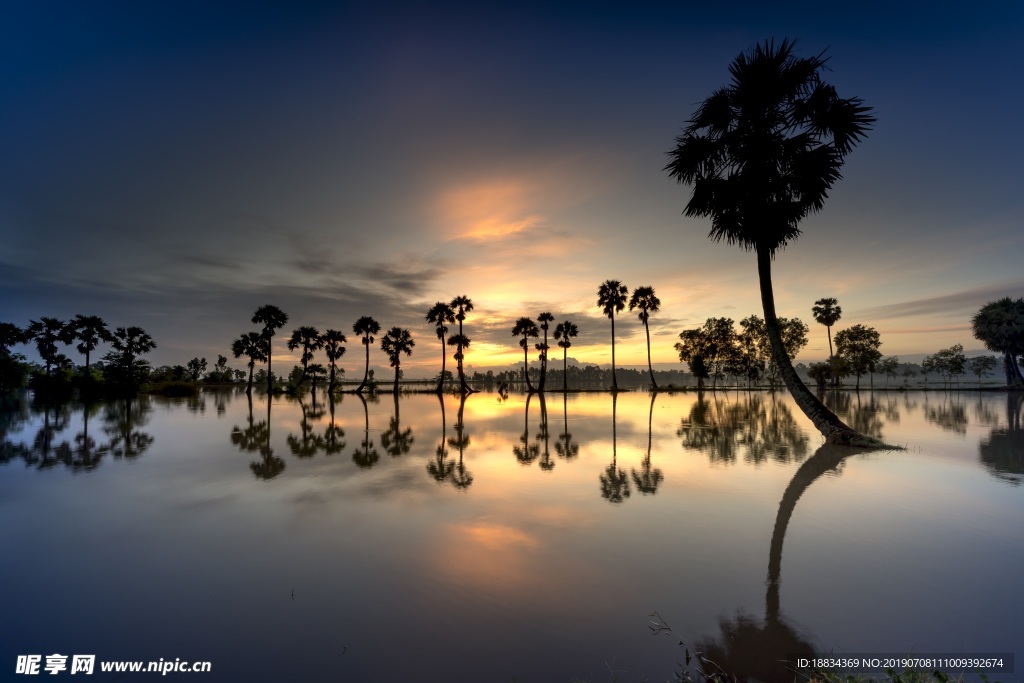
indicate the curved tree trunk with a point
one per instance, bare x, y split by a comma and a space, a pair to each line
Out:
832, 428
615, 385
1014, 378
649, 367
444, 358
526, 365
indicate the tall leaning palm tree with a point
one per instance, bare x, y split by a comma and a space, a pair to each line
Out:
366, 327
272, 318
1000, 325
441, 315
253, 345
827, 312
396, 342
334, 348
762, 153
644, 299
462, 305
527, 328
611, 297
564, 332
544, 319
309, 339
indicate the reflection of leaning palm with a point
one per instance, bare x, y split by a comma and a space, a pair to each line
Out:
543, 437
565, 446
648, 479
257, 438
395, 440
368, 456
307, 443
747, 649
438, 468
525, 451
461, 478
334, 436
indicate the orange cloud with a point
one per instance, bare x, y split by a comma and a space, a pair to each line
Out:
488, 210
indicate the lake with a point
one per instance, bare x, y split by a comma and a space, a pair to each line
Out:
501, 540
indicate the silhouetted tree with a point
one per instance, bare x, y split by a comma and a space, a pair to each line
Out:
611, 297
827, 312
1000, 325
462, 305
396, 342
309, 339
440, 314
527, 328
333, 341
644, 299
564, 332
859, 346
889, 366
255, 346
88, 331
793, 332
195, 368
981, 366
47, 333
272, 318
544, 319
366, 327
128, 344
762, 153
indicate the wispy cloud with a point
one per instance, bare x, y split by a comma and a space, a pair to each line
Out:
958, 303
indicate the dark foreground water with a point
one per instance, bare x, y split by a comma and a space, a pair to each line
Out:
506, 540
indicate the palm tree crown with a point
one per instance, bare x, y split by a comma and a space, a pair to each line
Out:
1000, 325
309, 339
462, 305
89, 331
272, 318
564, 331
253, 345
396, 342
333, 346
440, 314
527, 328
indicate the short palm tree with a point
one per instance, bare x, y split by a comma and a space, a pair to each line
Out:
396, 342
462, 305
253, 345
644, 299
527, 328
441, 314
333, 347
272, 318
128, 344
564, 332
366, 327
89, 331
47, 333
827, 312
309, 339
544, 319
762, 153
611, 297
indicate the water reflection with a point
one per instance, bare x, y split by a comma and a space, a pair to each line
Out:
334, 436
440, 469
750, 649
525, 451
1002, 451
759, 425
565, 446
368, 456
461, 478
647, 479
395, 440
308, 442
255, 438
614, 482
948, 412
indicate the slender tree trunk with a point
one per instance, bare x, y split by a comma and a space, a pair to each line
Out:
526, 364
650, 368
366, 372
565, 370
462, 373
270, 373
544, 364
444, 359
248, 389
396, 381
615, 385
330, 384
831, 427
832, 357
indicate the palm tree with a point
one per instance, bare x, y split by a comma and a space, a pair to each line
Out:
89, 330
1000, 325
129, 343
564, 331
526, 327
396, 342
366, 327
827, 312
439, 314
611, 297
333, 341
254, 345
309, 339
462, 305
762, 153
272, 318
544, 318
47, 333
644, 299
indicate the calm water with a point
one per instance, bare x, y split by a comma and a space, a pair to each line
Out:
499, 540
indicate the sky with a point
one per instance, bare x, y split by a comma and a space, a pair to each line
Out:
176, 165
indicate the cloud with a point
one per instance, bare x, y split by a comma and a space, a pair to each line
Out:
964, 302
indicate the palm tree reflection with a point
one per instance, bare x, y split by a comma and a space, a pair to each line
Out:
255, 438
123, 422
439, 469
565, 446
369, 456
525, 451
648, 479
461, 478
614, 482
307, 443
334, 436
395, 440
1002, 451
543, 436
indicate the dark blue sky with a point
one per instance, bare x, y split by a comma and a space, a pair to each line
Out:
176, 165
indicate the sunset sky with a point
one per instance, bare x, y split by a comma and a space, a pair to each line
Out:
177, 165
